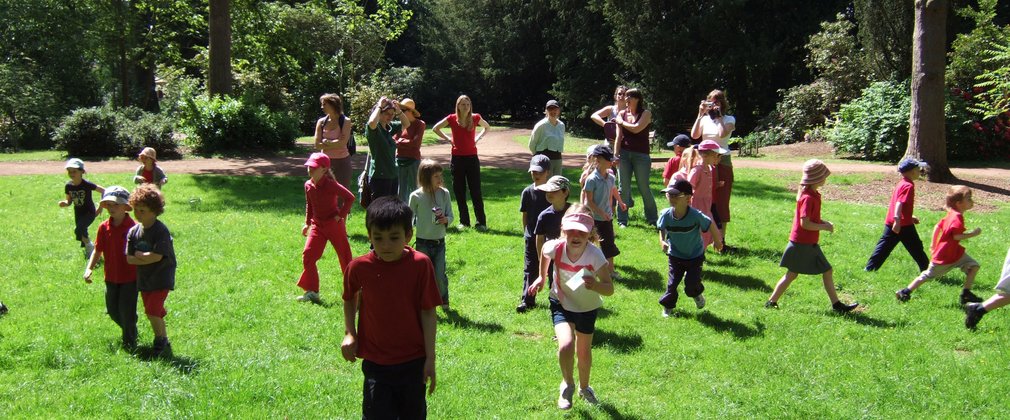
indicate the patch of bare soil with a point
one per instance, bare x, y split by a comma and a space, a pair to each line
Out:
801, 149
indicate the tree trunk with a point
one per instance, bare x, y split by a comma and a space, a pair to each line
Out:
219, 74
927, 135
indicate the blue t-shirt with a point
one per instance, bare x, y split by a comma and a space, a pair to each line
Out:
601, 186
549, 222
533, 201
684, 234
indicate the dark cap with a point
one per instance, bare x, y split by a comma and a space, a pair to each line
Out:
681, 140
552, 104
604, 151
908, 164
679, 186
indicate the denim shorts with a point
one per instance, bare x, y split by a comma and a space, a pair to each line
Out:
585, 322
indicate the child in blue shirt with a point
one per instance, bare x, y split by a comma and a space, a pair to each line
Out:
680, 228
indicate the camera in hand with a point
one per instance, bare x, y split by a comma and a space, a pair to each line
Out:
713, 110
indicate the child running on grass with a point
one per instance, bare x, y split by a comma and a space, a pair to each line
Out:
394, 288
149, 247
699, 173
680, 235
600, 187
900, 222
432, 197
948, 253
679, 144
120, 277
803, 255
149, 171
548, 226
327, 204
78, 191
531, 203
582, 275
974, 311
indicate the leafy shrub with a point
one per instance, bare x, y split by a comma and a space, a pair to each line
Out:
875, 125
224, 124
90, 132
149, 130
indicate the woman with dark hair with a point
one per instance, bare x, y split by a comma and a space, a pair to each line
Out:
464, 165
333, 131
713, 124
605, 117
382, 173
631, 156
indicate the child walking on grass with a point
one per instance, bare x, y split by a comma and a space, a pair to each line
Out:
680, 235
899, 225
120, 277
149, 171
582, 276
532, 202
327, 204
600, 187
394, 289
433, 198
803, 255
78, 191
948, 253
548, 225
699, 174
974, 311
149, 247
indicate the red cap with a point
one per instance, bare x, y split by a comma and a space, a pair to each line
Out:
318, 160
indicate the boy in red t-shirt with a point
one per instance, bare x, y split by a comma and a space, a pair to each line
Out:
900, 223
394, 288
120, 277
947, 250
678, 144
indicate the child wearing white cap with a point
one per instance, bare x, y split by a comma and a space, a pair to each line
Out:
120, 277
582, 276
78, 191
803, 255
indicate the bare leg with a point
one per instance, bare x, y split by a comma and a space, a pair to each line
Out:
566, 351
995, 302
919, 281
158, 325
584, 349
829, 286
969, 277
782, 285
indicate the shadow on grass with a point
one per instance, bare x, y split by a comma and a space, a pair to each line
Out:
759, 253
720, 325
638, 279
621, 343
863, 319
608, 409
182, 364
281, 195
984, 187
455, 319
739, 282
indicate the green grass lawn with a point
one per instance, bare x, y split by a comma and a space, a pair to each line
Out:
32, 156
244, 348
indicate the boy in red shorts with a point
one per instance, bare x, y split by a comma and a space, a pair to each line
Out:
394, 288
149, 247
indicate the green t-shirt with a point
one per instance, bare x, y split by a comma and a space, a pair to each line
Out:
382, 149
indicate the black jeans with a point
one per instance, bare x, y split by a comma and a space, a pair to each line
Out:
687, 270
531, 270
121, 305
466, 173
394, 391
382, 187
908, 237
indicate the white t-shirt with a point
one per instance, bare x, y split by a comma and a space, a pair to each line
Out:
1003, 287
579, 299
710, 130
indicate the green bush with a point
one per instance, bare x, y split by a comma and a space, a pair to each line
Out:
149, 130
224, 124
875, 125
90, 132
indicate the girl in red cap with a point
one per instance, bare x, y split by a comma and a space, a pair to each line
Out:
327, 204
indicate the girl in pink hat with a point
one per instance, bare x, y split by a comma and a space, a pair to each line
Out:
327, 204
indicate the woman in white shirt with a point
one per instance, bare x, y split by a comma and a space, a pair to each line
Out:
713, 124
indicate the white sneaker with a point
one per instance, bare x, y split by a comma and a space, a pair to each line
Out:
309, 297
700, 301
667, 312
565, 393
589, 395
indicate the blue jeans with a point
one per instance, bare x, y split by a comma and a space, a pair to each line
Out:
435, 250
407, 177
640, 164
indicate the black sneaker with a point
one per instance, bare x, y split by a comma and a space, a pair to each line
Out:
522, 308
973, 314
161, 349
968, 297
771, 305
3, 308
903, 295
843, 308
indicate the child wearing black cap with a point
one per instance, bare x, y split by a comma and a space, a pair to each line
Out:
600, 187
531, 204
680, 228
899, 224
679, 144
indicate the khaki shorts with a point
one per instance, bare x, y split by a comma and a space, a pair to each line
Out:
938, 270
1003, 287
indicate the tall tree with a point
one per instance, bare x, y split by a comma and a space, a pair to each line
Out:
927, 135
219, 80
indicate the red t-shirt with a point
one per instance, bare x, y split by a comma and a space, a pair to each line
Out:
326, 200
463, 140
672, 166
111, 242
947, 250
393, 294
904, 193
408, 142
148, 175
809, 206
